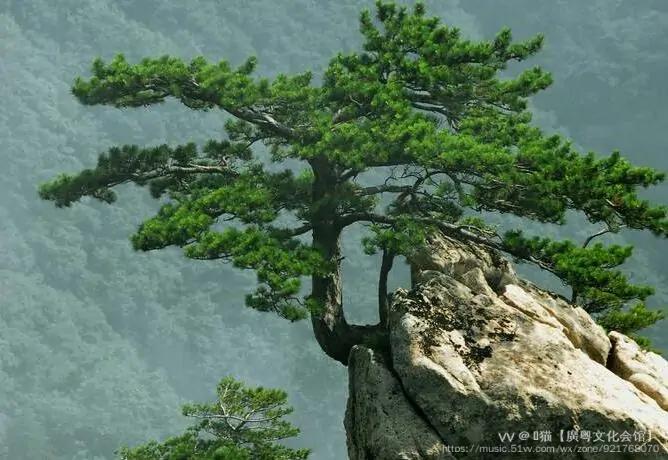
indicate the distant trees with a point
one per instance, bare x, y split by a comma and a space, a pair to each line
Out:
242, 424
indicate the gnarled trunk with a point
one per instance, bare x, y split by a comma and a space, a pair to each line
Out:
383, 299
335, 336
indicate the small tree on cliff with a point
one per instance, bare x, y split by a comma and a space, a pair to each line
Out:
243, 424
422, 107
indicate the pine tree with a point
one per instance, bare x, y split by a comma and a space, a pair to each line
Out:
421, 106
243, 424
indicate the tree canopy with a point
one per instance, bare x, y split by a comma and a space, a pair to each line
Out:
420, 105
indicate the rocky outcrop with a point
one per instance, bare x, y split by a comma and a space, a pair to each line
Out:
479, 356
381, 421
646, 370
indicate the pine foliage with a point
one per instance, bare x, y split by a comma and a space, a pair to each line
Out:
420, 102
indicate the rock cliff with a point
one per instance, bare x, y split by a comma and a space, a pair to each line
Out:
484, 365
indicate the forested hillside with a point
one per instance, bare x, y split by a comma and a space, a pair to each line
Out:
99, 345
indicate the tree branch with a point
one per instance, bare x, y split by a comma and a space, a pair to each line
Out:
251, 115
601, 232
384, 188
263, 119
453, 230
292, 232
190, 169
242, 420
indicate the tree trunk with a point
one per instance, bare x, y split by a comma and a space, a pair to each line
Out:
335, 336
383, 300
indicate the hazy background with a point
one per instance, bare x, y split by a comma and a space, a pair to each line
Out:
100, 345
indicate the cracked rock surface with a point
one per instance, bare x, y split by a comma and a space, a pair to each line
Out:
475, 352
